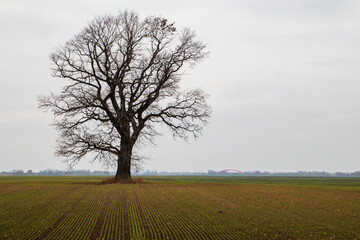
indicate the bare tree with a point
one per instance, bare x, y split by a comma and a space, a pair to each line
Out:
122, 79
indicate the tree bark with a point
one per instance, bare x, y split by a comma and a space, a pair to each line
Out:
124, 162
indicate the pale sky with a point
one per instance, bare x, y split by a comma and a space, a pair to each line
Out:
283, 78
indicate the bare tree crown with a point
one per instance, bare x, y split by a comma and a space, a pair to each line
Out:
122, 79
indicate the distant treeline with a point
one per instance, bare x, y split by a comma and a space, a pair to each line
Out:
52, 172
287, 174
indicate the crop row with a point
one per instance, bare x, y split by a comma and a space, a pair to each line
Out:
81, 220
30, 216
201, 222
158, 212
11, 189
177, 211
284, 212
114, 221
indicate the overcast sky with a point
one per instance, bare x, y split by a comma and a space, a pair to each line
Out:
284, 80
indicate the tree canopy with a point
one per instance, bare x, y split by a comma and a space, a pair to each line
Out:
122, 79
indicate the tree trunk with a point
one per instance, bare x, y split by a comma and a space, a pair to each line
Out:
124, 163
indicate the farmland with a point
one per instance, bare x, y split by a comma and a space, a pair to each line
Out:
180, 208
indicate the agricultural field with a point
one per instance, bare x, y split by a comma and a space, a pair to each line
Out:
180, 208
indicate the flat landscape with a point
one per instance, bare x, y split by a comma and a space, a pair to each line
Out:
180, 208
